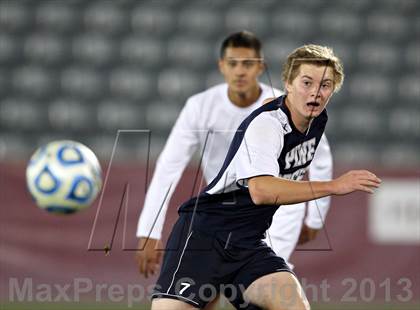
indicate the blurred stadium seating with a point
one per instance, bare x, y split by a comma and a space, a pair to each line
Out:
84, 69
114, 74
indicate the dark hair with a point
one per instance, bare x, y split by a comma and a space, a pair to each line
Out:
241, 39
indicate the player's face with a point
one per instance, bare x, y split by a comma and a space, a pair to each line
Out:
241, 68
309, 92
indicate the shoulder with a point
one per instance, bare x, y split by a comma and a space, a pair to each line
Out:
267, 124
264, 135
272, 114
205, 101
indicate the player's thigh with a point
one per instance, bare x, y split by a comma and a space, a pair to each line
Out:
168, 303
280, 291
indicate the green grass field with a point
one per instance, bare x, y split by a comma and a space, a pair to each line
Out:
109, 306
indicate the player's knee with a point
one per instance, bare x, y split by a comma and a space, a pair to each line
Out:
289, 296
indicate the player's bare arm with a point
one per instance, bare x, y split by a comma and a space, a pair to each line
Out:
270, 190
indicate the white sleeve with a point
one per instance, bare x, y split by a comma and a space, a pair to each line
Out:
259, 150
320, 169
179, 148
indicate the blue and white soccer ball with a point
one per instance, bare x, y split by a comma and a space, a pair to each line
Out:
64, 177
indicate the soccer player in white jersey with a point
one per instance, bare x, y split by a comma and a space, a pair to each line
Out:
218, 238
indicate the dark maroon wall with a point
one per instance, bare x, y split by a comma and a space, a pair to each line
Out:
53, 249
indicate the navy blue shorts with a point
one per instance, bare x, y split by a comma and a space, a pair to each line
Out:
197, 267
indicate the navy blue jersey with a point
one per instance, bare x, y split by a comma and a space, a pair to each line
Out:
224, 208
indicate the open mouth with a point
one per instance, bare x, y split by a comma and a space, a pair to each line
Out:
313, 104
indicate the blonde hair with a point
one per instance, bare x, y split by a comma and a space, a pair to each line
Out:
313, 54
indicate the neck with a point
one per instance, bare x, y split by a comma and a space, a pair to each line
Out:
244, 99
301, 123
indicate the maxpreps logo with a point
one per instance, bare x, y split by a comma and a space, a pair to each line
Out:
297, 157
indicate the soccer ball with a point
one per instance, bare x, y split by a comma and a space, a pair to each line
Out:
63, 177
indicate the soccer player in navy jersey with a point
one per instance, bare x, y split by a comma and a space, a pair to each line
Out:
218, 239
207, 123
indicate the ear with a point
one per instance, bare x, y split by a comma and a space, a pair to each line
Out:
262, 68
221, 66
264, 64
288, 87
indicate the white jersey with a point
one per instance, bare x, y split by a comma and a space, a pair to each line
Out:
267, 143
207, 123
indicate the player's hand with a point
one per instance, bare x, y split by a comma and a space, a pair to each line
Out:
307, 234
149, 255
355, 180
